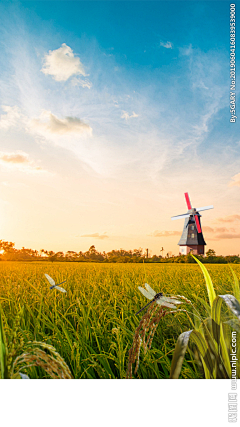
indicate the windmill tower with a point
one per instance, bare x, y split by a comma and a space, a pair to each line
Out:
192, 239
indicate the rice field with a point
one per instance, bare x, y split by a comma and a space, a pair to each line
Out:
92, 325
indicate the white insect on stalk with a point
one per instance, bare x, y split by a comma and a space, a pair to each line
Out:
149, 293
53, 285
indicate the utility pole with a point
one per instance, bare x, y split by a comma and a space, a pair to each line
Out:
147, 253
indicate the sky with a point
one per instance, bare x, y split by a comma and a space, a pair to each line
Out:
109, 112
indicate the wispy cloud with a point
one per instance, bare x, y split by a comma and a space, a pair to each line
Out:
235, 181
219, 233
96, 236
169, 131
19, 160
228, 236
62, 64
165, 233
167, 45
216, 233
127, 116
47, 122
77, 81
216, 229
229, 218
18, 157
51, 123
186, 51
11, 117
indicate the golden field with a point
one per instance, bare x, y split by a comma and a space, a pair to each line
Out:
92, 325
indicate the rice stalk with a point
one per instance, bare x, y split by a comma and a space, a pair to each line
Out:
52, 363
144, 335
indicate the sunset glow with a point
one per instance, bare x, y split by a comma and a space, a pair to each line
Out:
110, 112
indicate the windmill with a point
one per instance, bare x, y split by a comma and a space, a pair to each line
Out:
192, 239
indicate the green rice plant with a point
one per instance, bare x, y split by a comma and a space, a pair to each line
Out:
36, 354
209, 337
235, 285
92, 327
143, 336
3, 350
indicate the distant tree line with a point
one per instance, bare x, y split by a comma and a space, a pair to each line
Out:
8, 252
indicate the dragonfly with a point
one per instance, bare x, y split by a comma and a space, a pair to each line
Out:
149, 293
54, 286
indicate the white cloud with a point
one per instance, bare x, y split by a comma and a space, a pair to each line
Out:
62, 64
19, 160
46, 122
167, 45
112, 149
50, 123
126, 116
10, 118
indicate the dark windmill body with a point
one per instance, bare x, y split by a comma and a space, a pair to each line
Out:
192, 239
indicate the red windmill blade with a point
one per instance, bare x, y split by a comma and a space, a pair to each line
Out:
195, 216
188, 200
197, 224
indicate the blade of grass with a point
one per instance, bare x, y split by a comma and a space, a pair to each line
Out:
235, 285
180, 350
3, 349
208, 280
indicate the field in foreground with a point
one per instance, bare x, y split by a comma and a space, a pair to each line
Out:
92, 326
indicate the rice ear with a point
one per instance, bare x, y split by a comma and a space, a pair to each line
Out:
52, 363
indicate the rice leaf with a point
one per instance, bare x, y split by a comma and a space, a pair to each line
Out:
34, 287
234, 306
180, 350
235, 285
3, 349
179, 354
234, 323
208, 280
232, 303
204, 303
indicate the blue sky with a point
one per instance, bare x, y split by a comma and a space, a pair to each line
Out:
110, 111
